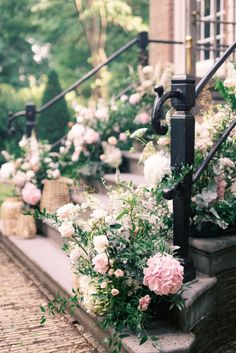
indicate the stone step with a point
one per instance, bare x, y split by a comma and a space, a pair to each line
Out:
128, 177
132, 162
47, 229
51, 266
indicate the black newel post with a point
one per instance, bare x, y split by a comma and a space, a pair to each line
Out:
30, 109
143, 53
182, 154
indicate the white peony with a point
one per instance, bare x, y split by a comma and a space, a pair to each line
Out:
100, 243
7, 170
156, 167
229, 83
56, 174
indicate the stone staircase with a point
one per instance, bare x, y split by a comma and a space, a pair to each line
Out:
212, 257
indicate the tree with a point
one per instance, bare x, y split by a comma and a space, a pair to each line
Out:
16, 55
52, 123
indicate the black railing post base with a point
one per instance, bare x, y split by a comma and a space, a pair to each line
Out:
30, 110
189, 271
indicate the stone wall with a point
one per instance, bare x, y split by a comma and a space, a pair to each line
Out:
219, 327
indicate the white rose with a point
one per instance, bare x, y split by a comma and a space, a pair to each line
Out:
100, 243
62, 149
23, 142
56, 174
229, 83
19, 179
148, 69
30, 175
7, 170
75, 255
124, 98
76, 131
155, 168
99, 213
65, 211
66, 229
47, 160
26, 166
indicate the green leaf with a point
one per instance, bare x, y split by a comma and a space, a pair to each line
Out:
43, 320
43, 309
125, 211
115, 226
143, 340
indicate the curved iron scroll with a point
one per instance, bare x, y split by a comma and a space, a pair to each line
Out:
158, 113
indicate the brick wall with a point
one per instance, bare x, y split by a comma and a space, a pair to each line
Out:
161, 17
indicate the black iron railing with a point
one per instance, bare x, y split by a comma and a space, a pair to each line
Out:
183, 95
30, 112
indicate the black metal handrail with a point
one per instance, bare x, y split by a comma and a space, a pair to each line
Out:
183, 96
170, 193
202, 83
141, 40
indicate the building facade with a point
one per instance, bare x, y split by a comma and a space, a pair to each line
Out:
210, 23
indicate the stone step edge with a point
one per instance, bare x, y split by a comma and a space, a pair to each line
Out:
171, 340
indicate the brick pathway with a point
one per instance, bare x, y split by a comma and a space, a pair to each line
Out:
20, 331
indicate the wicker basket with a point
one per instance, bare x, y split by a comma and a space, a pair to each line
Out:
10, 212
25, 227
55, 194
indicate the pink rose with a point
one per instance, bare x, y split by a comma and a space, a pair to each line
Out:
66, 229
119, 273
142, 118
31, 194
144, 303
122, 136
112, 140
100, 263
91, 136
164, 274
134, 98
114, 292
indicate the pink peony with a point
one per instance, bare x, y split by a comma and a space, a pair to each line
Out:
164, 274
142, 118
112, 140
122, 136
119, 273
144, 303
100, 263
31, 194
91, 136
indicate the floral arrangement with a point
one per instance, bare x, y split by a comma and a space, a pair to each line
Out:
27, 172
214, 195
227, 88
123, 264
94, 143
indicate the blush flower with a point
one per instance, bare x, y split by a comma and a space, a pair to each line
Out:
164, 274
31, 194
101, 263
100, 243
65, 211
91, 136
144, 303
115, 292
142, 118
66, 229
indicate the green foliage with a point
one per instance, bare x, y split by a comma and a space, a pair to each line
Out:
52, 123
227, 93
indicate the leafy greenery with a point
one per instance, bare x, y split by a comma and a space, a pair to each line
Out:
52, 123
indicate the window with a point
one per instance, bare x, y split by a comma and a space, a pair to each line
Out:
210, 29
